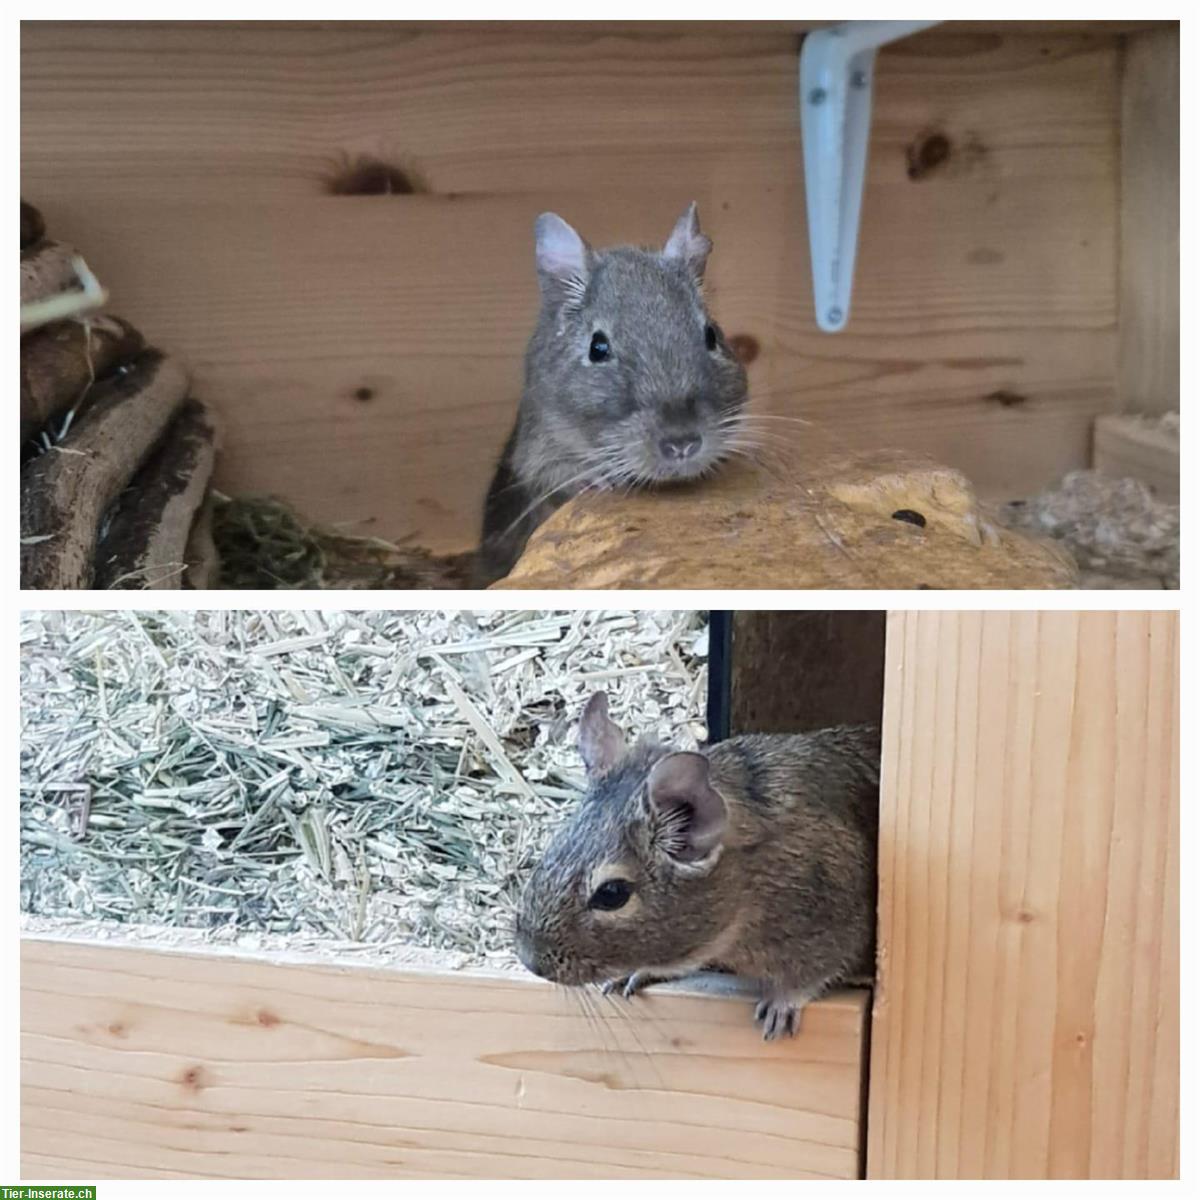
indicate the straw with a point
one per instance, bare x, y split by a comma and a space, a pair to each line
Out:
358, 779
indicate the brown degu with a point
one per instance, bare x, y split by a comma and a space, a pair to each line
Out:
755, 855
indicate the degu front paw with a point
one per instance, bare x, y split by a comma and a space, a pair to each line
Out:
779, 1015
627, 985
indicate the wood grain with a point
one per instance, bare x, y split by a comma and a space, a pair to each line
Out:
1149, 298
365, 351
1026, 1023
176, 1065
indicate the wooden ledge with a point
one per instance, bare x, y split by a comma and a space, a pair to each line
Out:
185, 1063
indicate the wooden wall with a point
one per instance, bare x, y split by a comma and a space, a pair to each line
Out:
365, 350
1149, 296
1026, 1019
143, 1063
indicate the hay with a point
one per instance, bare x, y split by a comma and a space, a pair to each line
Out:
368, 780
263, 543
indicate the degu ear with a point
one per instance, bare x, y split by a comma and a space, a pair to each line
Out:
691, 816
564, 259
601, 742
687, 244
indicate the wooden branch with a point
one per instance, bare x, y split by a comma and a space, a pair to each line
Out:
60, 363
46, 270
33, 228
202, 557
838, 520
173, 1063
66, 491
144, 544
74, 302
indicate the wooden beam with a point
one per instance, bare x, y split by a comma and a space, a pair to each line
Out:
1149, 326
798, 671
141, 1063
1026, 1020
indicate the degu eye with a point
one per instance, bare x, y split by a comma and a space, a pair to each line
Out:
710, 337
611, 894
600, 349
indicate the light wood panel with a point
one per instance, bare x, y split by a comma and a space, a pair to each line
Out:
1026, 1021
984, 320
171, 1065
1149, 349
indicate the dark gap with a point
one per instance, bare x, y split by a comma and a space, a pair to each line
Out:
720, 674
368, 176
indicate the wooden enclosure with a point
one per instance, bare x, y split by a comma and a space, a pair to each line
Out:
170, 1065
1017, 274
1025, 1022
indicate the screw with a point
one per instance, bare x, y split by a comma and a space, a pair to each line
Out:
834, 316
817, 96
859, 79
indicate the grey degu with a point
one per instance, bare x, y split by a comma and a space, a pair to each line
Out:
628, 381
756, 854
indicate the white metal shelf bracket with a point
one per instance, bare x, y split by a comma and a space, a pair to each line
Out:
836, 80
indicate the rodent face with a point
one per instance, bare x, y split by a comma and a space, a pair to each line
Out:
632, 380
630, 881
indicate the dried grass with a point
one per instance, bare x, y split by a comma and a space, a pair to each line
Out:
366, 780
262, 543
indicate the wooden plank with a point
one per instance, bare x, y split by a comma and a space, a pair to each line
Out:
1149, 296
797, 671
365, 351
1140, 447
183, 1064
1026, 1020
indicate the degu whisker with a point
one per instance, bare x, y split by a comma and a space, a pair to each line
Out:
630, 1022
588, 472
